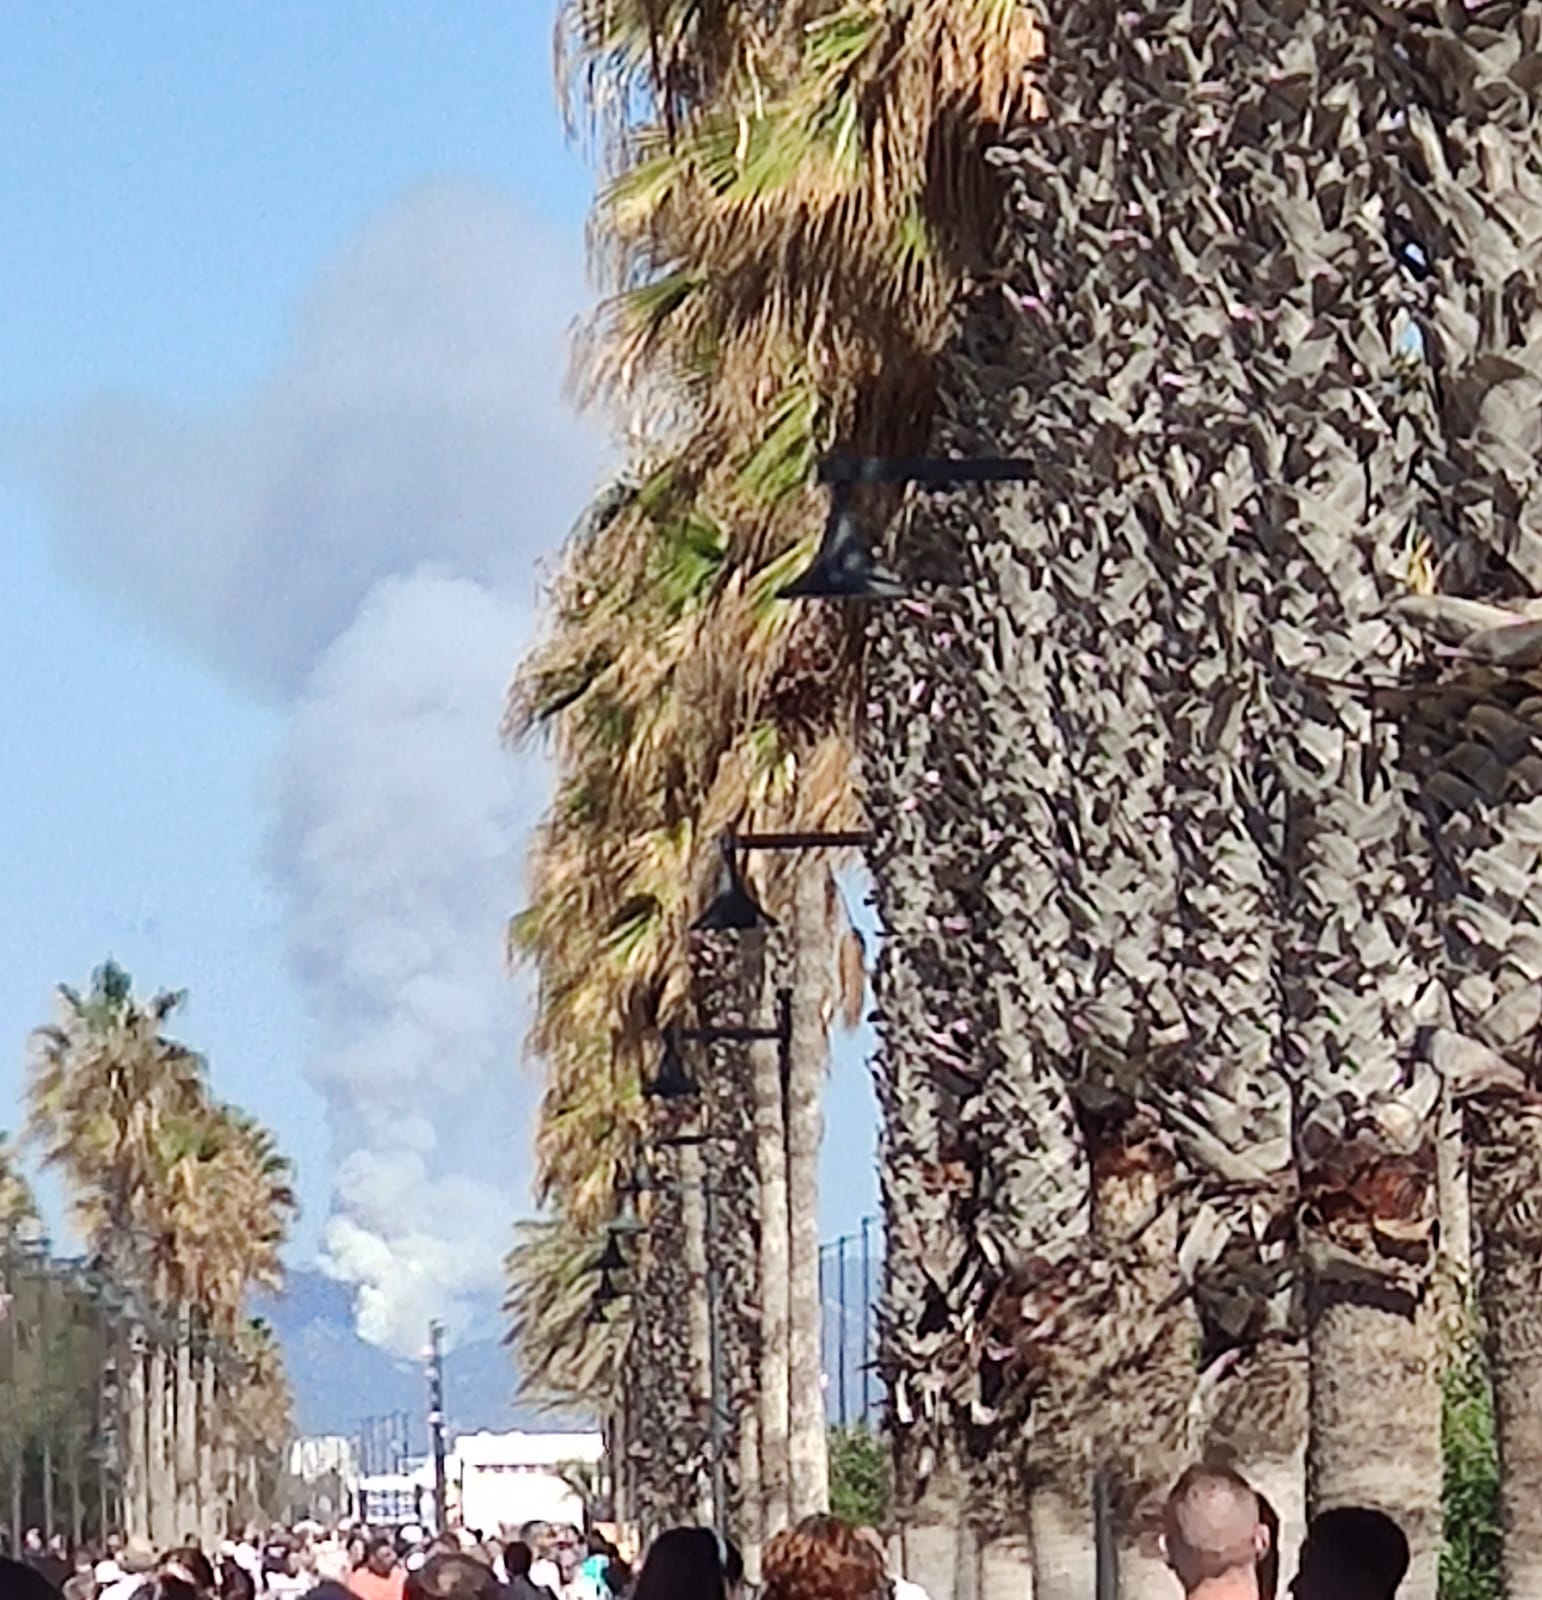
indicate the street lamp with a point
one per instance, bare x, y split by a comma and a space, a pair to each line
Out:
732, 907
843, 567
610, 1258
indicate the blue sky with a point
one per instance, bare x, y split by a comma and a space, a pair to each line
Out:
254, 255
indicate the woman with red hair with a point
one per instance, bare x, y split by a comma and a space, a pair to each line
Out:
823, 1559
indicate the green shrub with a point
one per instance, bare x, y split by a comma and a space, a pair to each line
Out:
1469, 1564
859, 1477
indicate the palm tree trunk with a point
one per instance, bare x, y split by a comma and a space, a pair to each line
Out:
812, 993
1062, 1542
209, 1524
1006, 1568
135, 1433
1507, 1180
1468, 180
698, 1313
929, 1538
186, 1409
774, 1410
160, 1466
1259, 1425
731, 990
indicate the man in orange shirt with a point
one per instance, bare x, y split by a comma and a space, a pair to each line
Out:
381, 1577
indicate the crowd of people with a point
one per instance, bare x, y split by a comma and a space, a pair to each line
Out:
1219, 1538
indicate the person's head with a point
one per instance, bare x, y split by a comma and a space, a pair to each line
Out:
79, 1586
18, 1582
192, 1566
567, 1550
822, 1558
537, 1535
33, 1541
165, 1586
452, 1577
1211, 1530
358, 1551
381, 1559
137, 1558
518, 1558
682, 1564
1268, 1565
236, 1582
1351, 1553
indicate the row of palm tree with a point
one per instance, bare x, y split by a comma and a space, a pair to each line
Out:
184, 1204
683, 697
1202, 774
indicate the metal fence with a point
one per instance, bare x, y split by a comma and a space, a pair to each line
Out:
850, 1280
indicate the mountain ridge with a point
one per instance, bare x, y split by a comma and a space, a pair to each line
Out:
339, 1380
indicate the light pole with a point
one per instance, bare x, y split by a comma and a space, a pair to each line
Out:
436, 1422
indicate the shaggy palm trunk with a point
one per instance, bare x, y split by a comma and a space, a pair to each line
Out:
1135, 1221
1313, 469
186, 1434
1471, 144
732, 988
671, 1448
808, 1058
1484, 786
1507, 1181
134, 1433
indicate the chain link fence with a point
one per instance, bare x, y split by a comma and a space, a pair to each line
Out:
850, 1281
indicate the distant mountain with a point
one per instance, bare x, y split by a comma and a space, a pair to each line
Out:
339, 1380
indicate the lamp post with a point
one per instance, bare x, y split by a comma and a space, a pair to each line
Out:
436, 1422
843, 567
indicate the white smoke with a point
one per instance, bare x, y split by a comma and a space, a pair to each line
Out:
359, 538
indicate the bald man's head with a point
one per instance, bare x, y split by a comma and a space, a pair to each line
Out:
1211, 1527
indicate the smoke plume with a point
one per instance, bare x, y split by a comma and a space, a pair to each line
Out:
357, 539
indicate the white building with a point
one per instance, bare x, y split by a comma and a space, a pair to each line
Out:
506, 1479
323, 1455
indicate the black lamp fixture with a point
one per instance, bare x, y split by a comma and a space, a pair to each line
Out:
610, 1259
672, 1081
732, 908
843, 567
607, 1292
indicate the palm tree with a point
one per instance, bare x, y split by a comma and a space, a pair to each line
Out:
1462, 174
105, 1082
186, 1201
764, 128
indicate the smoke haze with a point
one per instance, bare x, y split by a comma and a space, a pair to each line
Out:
357, 539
